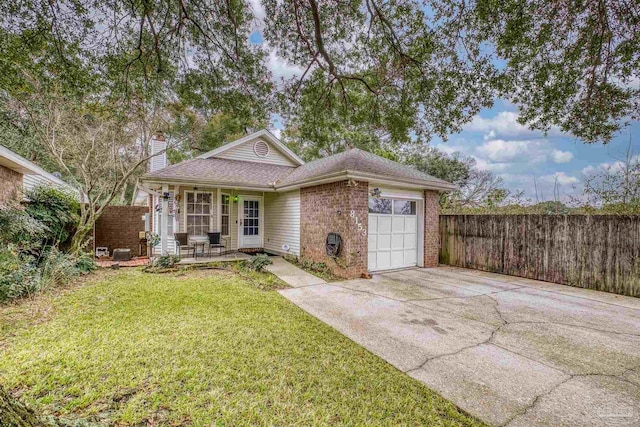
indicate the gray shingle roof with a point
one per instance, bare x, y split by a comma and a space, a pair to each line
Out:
222, 171
359, 161
252, 174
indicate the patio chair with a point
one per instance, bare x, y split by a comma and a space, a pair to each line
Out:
182, 244
217, 241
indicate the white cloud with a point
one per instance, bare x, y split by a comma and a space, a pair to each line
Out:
505, 124
561, 178
559, 156
281, 68
276, 132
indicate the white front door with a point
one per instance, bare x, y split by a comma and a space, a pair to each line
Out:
249, 222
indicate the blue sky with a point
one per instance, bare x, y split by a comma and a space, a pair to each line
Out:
523, 157
517, 154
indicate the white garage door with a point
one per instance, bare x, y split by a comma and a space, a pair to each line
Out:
393, 233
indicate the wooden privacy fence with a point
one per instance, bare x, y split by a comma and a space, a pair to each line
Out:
589, 251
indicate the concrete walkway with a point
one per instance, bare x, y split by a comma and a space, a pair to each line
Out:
508, 350
292, 275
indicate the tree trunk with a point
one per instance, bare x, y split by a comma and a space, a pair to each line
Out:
15, 414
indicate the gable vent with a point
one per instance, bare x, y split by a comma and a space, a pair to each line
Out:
261, 148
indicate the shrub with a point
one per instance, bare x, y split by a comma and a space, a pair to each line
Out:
56, 209
85, 263
18, 274
19, 228
258, 262
166, 261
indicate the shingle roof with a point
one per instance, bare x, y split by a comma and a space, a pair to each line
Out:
359, 161
222, 171
253, 174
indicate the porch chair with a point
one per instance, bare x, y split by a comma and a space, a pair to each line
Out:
217, 241
182, 244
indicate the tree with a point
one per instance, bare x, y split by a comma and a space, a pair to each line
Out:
16, 414
427, 68
615, 187
476, 187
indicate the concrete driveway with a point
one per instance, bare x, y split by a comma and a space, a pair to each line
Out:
508, 350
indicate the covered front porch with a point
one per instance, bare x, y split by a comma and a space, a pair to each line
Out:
247, 219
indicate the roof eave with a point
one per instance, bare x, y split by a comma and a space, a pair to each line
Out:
206, 183
347, 174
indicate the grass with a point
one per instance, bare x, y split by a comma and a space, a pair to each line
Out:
199, 348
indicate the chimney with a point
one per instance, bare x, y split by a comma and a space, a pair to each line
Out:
158, 144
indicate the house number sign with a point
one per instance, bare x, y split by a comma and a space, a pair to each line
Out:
357, 223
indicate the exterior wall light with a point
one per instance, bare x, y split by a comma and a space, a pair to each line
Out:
376, 192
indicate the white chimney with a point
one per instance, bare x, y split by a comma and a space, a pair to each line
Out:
158, 144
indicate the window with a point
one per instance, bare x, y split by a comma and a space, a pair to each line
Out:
404, 207
198, 213
251, 218
224, 219
379, 206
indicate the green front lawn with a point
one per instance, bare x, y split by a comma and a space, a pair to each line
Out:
203, 348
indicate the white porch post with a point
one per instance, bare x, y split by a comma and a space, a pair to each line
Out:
164, 220
219, 211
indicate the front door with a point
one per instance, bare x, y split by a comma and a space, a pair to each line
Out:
250, 221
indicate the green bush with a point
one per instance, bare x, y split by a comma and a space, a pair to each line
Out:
18, 274
85, 263
258, 262
166, 261
19, 228
56, 209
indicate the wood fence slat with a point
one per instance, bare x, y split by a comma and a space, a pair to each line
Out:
599, 252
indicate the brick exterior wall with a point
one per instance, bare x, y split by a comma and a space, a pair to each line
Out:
326, 208
431, 228
11, 187
118, 227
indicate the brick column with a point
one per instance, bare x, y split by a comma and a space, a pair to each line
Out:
326, 208
431, 228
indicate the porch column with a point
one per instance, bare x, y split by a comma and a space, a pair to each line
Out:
164, 220
218, 211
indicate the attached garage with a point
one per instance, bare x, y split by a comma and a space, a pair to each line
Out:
394, 230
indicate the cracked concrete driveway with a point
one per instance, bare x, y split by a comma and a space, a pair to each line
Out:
508, 350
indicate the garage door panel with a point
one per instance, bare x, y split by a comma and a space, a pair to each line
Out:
383, 260
384, 224
397, 241
372, 258
384, 242
411, 224
373, 224
410, 241
397, 259
373, 242
410, 256
398, 224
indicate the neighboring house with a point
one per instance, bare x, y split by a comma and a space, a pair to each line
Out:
18, 175
261, 195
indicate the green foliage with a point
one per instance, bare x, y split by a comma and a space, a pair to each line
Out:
22, 274
86, 263
19, 228
166, 261
258, 262
56, 209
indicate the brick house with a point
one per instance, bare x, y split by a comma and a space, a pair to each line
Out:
18, 174
261, 195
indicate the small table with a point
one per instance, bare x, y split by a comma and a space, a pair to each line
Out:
196, 241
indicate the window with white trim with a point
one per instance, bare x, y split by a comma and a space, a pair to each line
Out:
198, 213
224, 212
